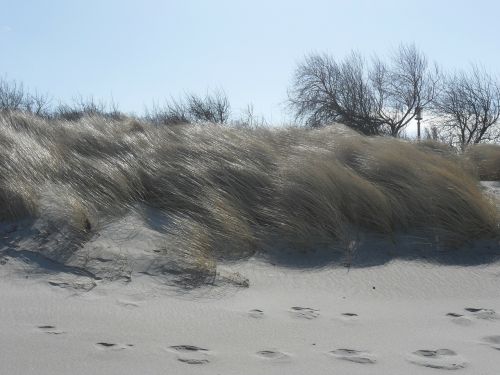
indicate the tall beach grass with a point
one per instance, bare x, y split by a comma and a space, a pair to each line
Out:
486, 158
230, 192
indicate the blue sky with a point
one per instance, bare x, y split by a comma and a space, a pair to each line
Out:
140, 51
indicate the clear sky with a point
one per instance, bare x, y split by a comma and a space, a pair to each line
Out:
139, 51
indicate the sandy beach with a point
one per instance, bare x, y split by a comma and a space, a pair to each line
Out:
399, 316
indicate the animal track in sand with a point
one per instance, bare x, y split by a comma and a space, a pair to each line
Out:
352, 355
481, 313
304, 312
443, 359
273, 355
51, 330
256, 313
492, 341
190, 354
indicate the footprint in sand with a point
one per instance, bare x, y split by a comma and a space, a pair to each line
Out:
443, 359
492, 341
83, 283
112, 346
304, 312
127, 304
273, 355
256, 313
482, 313
349, 317
51, 330
460, 319
352, 355
192, 355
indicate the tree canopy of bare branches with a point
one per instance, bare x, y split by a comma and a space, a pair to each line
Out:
469, 107
376, 98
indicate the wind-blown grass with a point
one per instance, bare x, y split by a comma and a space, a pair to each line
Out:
486, 158
230, 192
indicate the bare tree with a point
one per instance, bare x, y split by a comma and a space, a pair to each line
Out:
325, 91
376, 98
469, 107
401, 86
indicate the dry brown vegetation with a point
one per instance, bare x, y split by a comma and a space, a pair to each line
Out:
229, 192
486, 158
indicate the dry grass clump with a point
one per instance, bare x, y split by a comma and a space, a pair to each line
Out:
486, 158
230, 192
426, 190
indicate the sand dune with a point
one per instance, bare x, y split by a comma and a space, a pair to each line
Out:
127, 249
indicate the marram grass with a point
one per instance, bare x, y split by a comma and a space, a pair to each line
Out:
230, 192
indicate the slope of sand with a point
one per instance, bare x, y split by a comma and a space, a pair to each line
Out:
393, 317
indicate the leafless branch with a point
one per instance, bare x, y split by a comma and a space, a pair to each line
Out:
375, 99
470, 106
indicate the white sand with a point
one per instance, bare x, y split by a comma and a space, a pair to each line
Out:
50, 324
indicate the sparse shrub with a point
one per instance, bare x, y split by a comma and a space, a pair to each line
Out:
87, 107
14, 97
192, 109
